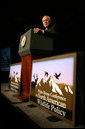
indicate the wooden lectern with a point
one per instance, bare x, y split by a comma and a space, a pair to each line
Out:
32, 46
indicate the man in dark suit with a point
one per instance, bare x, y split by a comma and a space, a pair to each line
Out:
49, 30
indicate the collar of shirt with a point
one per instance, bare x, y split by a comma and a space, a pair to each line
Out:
46, 28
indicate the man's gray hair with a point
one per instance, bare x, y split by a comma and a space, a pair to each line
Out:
46, 16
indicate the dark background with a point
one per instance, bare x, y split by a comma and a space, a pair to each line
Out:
16, 16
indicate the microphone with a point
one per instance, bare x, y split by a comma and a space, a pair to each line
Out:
29, 27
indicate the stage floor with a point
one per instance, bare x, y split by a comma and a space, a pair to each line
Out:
40, 117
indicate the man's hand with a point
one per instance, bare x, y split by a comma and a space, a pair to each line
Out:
36, 30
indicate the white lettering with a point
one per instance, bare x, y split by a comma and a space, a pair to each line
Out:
43, 103
57, 110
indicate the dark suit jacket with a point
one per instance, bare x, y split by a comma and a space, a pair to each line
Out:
54, 33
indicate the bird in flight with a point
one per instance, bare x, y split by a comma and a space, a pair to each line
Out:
57, 75
46, 74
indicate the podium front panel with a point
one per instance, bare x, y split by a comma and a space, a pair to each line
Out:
24, 46
31, 43
41, 42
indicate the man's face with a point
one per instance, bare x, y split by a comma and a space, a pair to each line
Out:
46, 21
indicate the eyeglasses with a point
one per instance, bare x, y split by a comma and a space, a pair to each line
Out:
46, 20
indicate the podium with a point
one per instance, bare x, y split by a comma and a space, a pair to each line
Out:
32, 46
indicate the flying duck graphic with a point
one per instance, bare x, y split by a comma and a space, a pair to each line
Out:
57, 75
46, 74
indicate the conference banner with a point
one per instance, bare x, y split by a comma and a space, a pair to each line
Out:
15, 77
53, 85
5, 59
